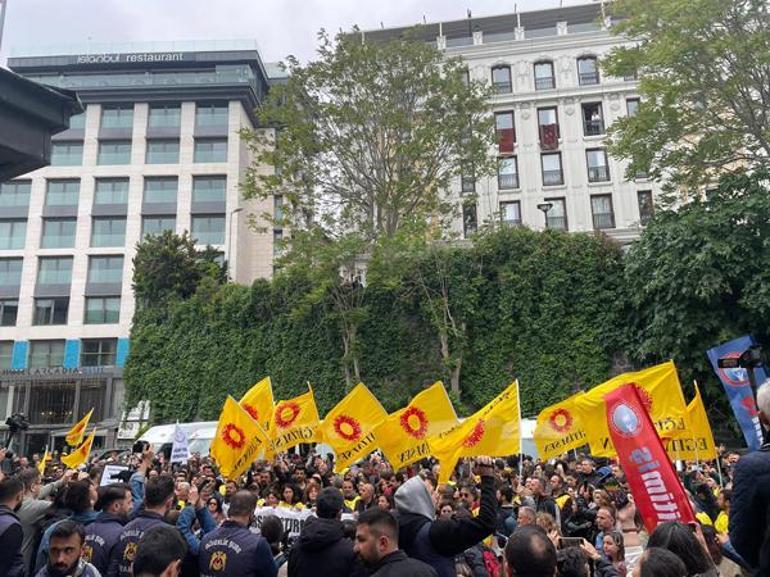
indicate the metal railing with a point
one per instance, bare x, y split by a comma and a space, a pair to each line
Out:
593, 127
545, 83
506, 181
552, 177
587, 78
604, 220
556, 222
598, 174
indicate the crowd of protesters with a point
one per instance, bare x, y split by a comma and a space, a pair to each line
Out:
573, 517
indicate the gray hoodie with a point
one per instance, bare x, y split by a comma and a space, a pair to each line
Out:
414, 497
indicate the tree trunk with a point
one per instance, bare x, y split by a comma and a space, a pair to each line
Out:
345, 361
353, 335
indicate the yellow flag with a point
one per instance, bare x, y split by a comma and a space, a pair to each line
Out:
697, 441
403, 436
493, 431
43, 461
559, 428
79, 455
239, 440
258, 402
75, 435
295, 421
660, 392
349, 426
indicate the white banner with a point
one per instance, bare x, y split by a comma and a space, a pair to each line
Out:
109, 472
293, 520
180, 450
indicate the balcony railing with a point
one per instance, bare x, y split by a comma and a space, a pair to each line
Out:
511, 222
587, 78
506, 181
552, 177
557, 222
502, 87
545, 83
598, 174
603, 220
593, 127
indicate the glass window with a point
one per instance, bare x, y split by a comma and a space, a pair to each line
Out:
277, 241
53, 403
46, 354
510, 213
598, 171
165, 117
105, 269
102, 310
632, 106
9, 309
209, 188
588, 71
211, 115
209, 229
593, 119
470, 223
544, 77
53, 270
552, 172
507, 173
646, 207
111, 191
78, 121
51, 311
62, 192
118, 117
6, 354
556, 217
210, 150
161, 190
114, 152
506, 135
98, 352
465, 77
10, 272
108, 231
12, 234
601, 210
548, 127
66, 153
15, 193
467, 178
501, 79
157, 224
58, 233
278, 208
162, 152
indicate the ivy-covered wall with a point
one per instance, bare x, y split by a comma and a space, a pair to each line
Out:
544, 310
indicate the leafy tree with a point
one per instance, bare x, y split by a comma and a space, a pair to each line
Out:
704, 68
169, 267
699, 276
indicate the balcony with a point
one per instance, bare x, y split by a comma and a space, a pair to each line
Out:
556, 222
598, 174
502, 87
593, 127
588, 78
507, 181
603, 220
553, 177
545, 83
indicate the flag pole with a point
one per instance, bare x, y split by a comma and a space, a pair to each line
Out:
719, 470
521, 444
697, 459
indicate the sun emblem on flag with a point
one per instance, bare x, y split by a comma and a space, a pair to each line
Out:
645, 396
251, 410
560, 420
414, 422
234, 436
286, 414
476, 435
347, 427
218, 561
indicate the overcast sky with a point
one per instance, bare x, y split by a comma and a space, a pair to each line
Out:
280, 27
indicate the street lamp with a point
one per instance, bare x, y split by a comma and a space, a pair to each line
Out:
545, 207
230, 240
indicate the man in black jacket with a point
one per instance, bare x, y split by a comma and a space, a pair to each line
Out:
436, 542
377, 546
11, 560
322, 549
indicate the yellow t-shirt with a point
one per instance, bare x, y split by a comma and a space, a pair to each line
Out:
703, 518
722, 523
351, 503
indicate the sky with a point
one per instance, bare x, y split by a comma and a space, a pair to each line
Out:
281, 27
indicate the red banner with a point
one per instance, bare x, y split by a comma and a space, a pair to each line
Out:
658, 493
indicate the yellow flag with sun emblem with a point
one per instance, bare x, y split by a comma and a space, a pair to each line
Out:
258, 402
349, 426
494, 431
403, 436
559, 428
697, 442
79, 455
295, 421
659, 390
239, 440
75, 435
